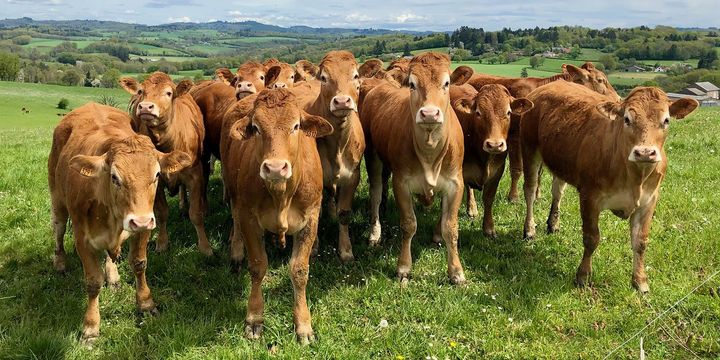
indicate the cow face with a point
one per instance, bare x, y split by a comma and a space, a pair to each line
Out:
127, 176
429, 81
249, 78
279, 75
645, 116
590, 77
340, 84
276, 124
153, 99
491, 110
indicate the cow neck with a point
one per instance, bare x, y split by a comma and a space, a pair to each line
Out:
340, 137
282, 194
430, 147
634, 175
164, 135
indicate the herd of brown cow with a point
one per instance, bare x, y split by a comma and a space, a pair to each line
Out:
284, 136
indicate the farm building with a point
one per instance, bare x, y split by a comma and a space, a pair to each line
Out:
704, 92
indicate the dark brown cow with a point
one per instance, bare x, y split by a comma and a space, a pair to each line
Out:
485, 119
413, 132
611, 151
103, 177
586, 75
273, 175
172, 120
341, 151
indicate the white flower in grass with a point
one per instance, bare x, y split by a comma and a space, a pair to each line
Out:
383, 323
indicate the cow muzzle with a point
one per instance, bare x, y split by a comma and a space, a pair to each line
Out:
244, 88
280, 85
275, 170
342, 105
494, 146
148, 111
135, 223
645, 154
429, 115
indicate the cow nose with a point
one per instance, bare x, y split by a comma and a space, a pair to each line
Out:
342, 102
649, 153
495, 146
276, 170
139, 223
280, 85
146, 106
431, 114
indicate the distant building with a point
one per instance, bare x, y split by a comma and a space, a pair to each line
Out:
706, 93
96, 83
661, 69
549, 54
634, 68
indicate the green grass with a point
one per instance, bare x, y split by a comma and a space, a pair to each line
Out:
631, 78
519, 301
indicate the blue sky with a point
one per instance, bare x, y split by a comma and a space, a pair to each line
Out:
389, 14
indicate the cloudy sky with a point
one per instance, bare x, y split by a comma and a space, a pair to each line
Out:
388, 14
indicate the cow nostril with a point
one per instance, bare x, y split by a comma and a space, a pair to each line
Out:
151, 106
285, 167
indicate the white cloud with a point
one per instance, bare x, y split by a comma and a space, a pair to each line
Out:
356, 17
179, 19
408, 17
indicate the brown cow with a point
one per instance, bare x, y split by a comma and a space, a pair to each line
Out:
273, 175
249, 78
278, 74
413, 132
611, 151
485, 120
586, 75
305, 70
341, 151
172, 120
103, 177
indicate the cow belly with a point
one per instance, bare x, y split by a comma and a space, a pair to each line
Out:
623, 204
104, 240
296, 220
418, 185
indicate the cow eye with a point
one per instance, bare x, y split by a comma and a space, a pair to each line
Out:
296, 127
169, 93
357, 76
447, 84
323, 78
509, 113
254, 128
412, 86
115, 180
666, 122
262, 77
627, 121
139, 92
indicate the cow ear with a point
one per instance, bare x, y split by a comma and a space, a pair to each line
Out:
173, 162
461, 75
397, 77
464, 105
182, 88
89, 166
521, 106
305, 70
272, 75
380, 74
588, 66
609, 109
370, 67
225, 75
575, 72
315, 126
242, 129
681, 108
129, 84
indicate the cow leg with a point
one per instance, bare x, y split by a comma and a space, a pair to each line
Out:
385, 189
198, 202
237, 245
590, 214
182, 199
138, 263
59, 223
93, 283
345, 198
488, 196
299, 273
160, 209
640, 222
257, 265
516, 161
408, 223
112, 278
531, 163
374, 169
470, 203
558, 188
437, 233
451, 203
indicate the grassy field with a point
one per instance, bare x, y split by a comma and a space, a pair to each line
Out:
519, 301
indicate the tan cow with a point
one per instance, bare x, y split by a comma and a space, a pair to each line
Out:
273, 175
249, 78
340, 152
172, 120
586, 75
611, 151
485, 119
414, 133
103, 177
279, 74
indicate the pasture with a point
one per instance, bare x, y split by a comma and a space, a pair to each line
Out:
519, 301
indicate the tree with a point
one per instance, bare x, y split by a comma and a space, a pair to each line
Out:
575, 52
536, 61
406, 50
9, 66
22, 40
110, 78
71, 77
708, 60
378, 49
523, 72
610, 62
460, 55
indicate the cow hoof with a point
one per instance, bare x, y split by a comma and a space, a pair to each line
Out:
347, 257
437, 240
552, 229
161, 247
90, 336
253, 331
207, 251
88, 341
306, 338
235, 266
457, 279
59, 264
641, 287
472, 214
581, 281
113, 284
513, 199
375, 235
404, 277
528, 235
490, 234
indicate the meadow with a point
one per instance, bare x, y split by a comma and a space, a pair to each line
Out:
519, 301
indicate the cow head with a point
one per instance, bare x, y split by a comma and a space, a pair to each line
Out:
645, 115
153, 99
279, 74
340, 84
305, 70
127, 178
276, 124
249, 78
429, 81
490, 110
590, 77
